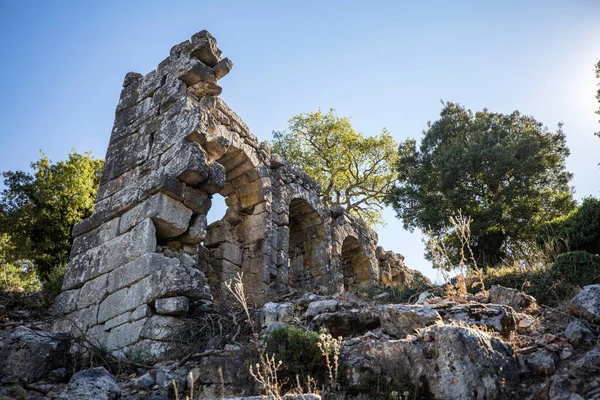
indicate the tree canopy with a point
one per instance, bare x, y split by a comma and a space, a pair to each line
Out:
38, 211
353, 171
504, 171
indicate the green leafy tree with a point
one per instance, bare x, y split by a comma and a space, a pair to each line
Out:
504, 171
14, 273
353, 171
39, 210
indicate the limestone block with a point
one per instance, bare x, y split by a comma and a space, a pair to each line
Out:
170, 217
110, 255
100, 235
205, 48
320, 306
172, 305
65, 302
126, 153
131, 77
218, 232
177, 280
216, 179
197, 72
77, 322
161, 327
228, 251
97, 336
116, 321
194, 169
196, 233
222, 68
123, 200
196, 200
158, 181
181, 122
400, 320
142, 311
203, 88
586, 303
138, 269
93, 292
124, 335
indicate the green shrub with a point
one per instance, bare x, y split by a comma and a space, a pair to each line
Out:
51, 287
577, 268
580, 230
299, 353
553, 284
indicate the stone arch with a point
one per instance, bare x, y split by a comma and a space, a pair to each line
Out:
306, 238
237, 242
356, 268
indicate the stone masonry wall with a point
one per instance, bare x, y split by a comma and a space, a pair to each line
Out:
146, 256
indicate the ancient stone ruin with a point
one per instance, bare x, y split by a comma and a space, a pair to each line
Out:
146, 256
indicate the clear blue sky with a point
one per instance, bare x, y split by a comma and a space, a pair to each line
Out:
383, 63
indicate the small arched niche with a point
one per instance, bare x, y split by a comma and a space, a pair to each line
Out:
306, 238
355, 264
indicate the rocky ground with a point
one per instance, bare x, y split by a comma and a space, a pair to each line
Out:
498, 345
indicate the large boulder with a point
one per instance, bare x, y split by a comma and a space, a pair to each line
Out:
586, 303
31, 355
443, 362
511, 297
499, 318
346, 323
578, 333
400, 320
95, 383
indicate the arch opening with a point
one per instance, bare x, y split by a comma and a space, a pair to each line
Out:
233, 241
306, 238
355, 264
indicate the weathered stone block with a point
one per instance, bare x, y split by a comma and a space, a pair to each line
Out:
138, 269
205, 48
77, 322
142, 311
177, 280
196, 200
110, 255
161, 327
218, 232
125, 335
170, 217
196, 233
216, 179
223, 67
65, 302
100, 235
197, 72
93, 292
116, 321
172, 306
228, 251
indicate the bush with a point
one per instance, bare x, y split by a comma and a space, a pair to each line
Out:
51, 287
580, 230
577, 268
300, 355
553, 284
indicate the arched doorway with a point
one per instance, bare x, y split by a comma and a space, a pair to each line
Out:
306, 240
355, 264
